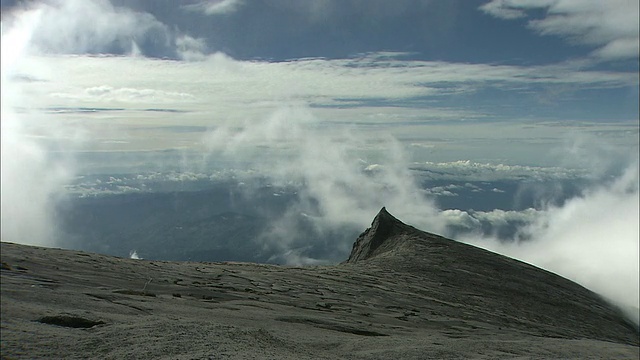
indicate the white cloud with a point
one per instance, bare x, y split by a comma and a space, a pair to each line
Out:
619, 48
459, 218
215, 7
611, 25
501, 217
373, 94
592, 239
599, 156
30, 178
502, 10
96, 26
466, 169
106, 94
222, 82
443, 190
191, 49
325, 165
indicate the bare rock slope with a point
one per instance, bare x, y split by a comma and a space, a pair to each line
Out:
402, 293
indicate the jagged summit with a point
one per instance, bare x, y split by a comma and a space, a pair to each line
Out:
488, 282
383, 235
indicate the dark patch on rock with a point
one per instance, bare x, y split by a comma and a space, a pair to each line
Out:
134, 292
69, 321
330, 325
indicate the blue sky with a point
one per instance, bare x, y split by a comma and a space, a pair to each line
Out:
491, 73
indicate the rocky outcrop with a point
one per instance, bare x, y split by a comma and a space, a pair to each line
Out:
386, 234
384, 228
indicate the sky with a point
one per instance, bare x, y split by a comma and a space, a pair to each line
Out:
349, 97
453, 80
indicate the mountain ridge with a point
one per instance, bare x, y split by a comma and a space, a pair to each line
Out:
391, 244
402, 293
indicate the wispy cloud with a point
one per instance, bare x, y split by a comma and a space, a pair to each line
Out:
363, 82
108, 94
612, 26
215, 7
190, 48
335, 191
80, 27
377, 93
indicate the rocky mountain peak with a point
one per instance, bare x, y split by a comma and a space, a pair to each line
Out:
384, 229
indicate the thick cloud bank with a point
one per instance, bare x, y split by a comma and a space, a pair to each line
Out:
592, 239
30, 178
